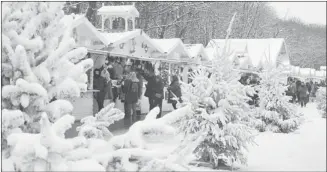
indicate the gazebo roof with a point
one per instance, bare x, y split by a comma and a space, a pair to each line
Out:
119, 11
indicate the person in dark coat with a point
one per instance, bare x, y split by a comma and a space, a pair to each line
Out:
174, 91
131, 90
158, 91
149, 76
102, 84
298, 85
154, 90
309, 87
303, 93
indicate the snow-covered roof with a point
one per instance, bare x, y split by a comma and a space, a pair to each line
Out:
119, 11
304, 71
170, 45
320, 73
83, 24
259, 50
115, 39
195, 50
323, 68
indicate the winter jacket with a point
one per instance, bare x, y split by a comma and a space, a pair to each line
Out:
104, 86
131, 90
303, 90
118, 70
158, 88
293, 88
150, 85
109, 94
308, 86
174, 89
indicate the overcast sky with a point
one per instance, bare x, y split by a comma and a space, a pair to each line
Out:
308, 12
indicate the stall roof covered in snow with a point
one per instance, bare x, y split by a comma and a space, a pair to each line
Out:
115, 39
119, 11
320, 73
83, 27
170, 45
87, 30
196, 50
259, 50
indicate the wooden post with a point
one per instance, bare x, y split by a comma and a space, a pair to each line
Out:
91, 79
133, 23
111, 24
102, 24
126, 24
169, 72
103, 20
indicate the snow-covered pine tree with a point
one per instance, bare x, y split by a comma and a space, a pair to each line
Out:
49, 150
97, 126
140, 148
220, 112
321, 101
275, 111
38, 50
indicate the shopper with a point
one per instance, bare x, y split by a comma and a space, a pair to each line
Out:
131, 90
174, 91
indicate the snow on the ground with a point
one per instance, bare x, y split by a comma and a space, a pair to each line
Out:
302, 150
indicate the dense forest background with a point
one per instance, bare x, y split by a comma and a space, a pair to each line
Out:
199, 22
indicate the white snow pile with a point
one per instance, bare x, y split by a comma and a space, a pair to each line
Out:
302, 150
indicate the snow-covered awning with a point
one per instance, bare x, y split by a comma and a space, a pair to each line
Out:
320, 73
174, 48
84, 32
119, 11
197, 51
260, 51
90, 37
114, 39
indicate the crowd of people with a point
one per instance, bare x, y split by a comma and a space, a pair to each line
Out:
118, 79
301, 92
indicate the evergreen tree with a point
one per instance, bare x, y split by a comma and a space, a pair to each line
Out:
220, 112
275, 112
45, 66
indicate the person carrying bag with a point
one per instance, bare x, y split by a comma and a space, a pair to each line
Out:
174, 91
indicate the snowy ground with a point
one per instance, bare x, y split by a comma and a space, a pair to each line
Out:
303, 150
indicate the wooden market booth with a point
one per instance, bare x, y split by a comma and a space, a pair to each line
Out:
129, 43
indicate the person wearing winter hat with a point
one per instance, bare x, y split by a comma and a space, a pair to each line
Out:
174, 91
131, 90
